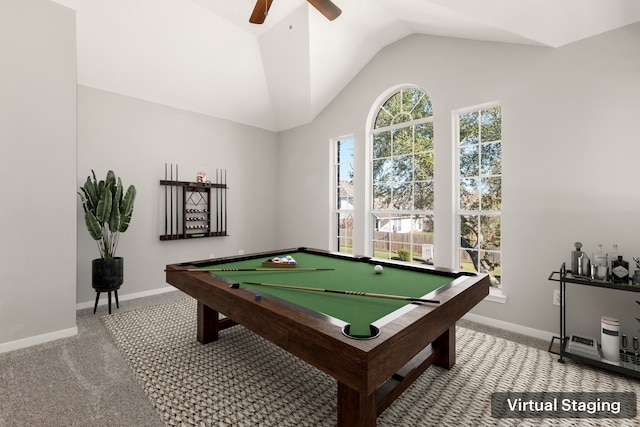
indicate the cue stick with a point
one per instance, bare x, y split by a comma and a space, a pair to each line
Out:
334, 291
224, 192
284, 270
166, 218
178, 205
218, 202
171, 201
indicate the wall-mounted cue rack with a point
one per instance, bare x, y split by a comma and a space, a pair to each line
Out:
194, 209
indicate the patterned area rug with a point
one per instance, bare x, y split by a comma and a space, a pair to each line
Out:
244, 380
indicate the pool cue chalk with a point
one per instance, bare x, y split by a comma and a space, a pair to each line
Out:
378, 269
258, 297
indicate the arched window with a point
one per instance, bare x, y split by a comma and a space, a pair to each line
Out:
402, 177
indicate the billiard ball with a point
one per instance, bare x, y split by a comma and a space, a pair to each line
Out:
378, 269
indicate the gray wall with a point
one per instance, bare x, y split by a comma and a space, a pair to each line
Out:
37, 171
570, 159
136, 138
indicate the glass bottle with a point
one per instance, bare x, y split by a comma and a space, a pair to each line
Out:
620, 270
601, 263
613, 256
575, 255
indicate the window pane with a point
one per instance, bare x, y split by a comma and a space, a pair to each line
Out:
345, 233
383, 119
344, 174
382, 171
423, 108
491, 194
381, 196
423, 137
469, 130
382, 228
345, 196
401, 118
423, 195
468, 260
394, 104
403, 196
402, 168
382, 145
491, 262
491, 163
404, 237
469, 161
423, 166
491, 120
403, 141
490, 229
469, 231
410, 99
345, 151
469, 194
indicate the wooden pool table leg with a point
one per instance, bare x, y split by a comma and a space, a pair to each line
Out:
445, 348
354, 409
210, 324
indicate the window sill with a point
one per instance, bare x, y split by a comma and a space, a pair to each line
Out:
496, 295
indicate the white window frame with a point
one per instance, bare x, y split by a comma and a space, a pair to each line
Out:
335, 210
370, 132
495, 294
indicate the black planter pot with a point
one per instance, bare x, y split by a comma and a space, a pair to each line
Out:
107, 275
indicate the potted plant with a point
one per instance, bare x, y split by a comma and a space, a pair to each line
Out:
107, 213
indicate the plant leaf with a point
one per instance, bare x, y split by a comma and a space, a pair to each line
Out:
126, 208
103, 210
115, 219
93, 225
91, 192
111, 179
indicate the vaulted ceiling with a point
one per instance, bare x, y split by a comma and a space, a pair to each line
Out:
205, 56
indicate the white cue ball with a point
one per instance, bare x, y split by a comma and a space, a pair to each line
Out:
378, 269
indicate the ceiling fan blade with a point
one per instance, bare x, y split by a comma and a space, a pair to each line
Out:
260, 11
327, 8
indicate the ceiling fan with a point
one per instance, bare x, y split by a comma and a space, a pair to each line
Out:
326, 7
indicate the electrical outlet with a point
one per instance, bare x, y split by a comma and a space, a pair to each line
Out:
241, 252
212, 255
556, 297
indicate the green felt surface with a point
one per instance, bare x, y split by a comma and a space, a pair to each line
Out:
350, 275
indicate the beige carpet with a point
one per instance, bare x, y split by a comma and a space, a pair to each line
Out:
244, 380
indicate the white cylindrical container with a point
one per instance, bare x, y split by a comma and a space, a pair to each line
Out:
610, 328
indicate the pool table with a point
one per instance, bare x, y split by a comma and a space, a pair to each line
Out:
374, 346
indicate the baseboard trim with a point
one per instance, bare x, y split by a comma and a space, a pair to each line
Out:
64, 333
104, 297
511, 327
37, 339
